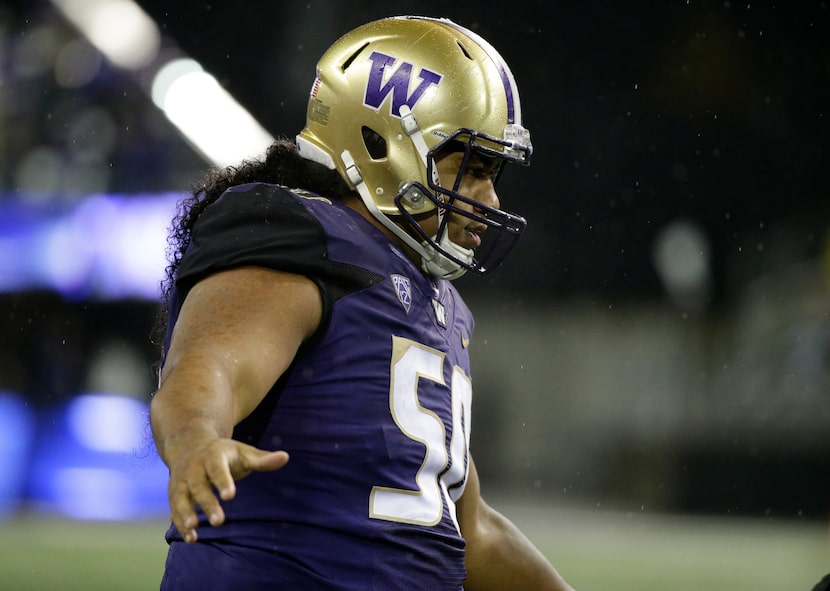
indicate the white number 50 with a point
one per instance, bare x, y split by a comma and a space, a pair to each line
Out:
435, 482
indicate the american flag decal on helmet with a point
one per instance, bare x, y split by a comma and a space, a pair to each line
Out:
403, 290
316, 86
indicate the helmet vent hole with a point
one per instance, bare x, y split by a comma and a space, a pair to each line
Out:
464, 50
353, 57
375, 144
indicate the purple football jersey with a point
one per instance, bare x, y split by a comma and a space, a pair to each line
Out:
374, 412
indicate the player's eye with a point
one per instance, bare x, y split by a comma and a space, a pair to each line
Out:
483, 168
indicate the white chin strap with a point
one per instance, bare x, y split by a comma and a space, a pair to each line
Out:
439, 265
433, 262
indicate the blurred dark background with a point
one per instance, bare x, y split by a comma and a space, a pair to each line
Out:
641, 113
677, 241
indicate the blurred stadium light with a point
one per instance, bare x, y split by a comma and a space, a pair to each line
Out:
93, 461
17, 428
120, 29
211, 120
206, 114
106, 246
681, 255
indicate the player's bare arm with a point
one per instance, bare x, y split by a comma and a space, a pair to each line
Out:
499, 556
237, 332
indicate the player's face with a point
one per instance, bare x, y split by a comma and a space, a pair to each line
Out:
476, 184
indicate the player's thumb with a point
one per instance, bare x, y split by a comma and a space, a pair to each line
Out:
265, 461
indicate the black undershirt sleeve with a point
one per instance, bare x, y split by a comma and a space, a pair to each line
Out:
267, 226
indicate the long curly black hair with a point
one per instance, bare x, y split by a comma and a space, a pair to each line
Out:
282, 165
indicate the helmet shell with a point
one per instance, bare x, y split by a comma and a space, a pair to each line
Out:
449, 77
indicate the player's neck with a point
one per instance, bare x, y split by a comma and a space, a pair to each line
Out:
357, 205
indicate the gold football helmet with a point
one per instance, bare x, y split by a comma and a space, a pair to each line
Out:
392, 94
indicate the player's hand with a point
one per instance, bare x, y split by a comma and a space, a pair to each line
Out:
203, 470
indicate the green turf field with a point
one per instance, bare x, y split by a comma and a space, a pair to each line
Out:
594, 550
642, 552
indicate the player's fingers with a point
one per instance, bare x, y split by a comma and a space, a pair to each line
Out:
202, 493
182, 511
219, 472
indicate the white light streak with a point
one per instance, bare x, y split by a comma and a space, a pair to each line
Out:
120, 29
208, 117
206, 114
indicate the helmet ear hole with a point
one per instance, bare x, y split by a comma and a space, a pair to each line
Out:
375, 144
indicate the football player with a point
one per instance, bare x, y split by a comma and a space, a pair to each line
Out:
309, 311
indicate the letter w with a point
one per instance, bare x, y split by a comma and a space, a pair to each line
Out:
397, 84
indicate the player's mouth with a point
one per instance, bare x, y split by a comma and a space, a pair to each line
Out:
473, 233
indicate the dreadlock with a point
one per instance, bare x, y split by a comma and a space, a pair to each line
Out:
282, 165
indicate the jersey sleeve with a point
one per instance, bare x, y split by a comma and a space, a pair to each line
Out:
259, 225
267, 226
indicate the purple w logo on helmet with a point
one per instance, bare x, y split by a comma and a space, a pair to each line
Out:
397, 83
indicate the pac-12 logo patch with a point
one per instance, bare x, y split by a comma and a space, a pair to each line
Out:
381, 83
403, 290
